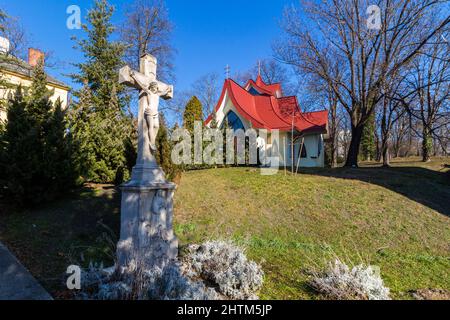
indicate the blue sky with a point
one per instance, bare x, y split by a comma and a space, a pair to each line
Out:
208, 34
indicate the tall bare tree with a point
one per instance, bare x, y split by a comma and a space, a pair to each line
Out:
322, 31
428, 100
207, 89
147, 29
12, 29
390, 112
400, 131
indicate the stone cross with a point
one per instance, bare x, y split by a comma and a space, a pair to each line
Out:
147, 239
150, 90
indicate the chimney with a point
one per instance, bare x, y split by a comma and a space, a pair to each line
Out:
34, 55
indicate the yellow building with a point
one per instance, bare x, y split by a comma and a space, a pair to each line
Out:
20, 72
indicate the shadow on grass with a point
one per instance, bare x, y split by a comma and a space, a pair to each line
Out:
82, 227
428, 187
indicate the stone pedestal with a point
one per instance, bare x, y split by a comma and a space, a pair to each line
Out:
146, 236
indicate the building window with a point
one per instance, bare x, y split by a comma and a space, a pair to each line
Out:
303, 149
253, 92
320, 147
234, 122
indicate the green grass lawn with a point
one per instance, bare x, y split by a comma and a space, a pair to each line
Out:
396, 218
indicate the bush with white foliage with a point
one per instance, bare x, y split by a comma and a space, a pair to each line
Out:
212, 271
341, 282
226, 266
171, 284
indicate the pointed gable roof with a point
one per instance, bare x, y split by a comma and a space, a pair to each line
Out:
269, 110
263, 88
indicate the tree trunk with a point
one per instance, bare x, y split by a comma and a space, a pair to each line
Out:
379, 150
385, 135
427, 144
333, 136
353, 151
385, 153
334, 162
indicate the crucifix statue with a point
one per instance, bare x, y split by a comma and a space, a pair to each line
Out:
146, 235
150, 90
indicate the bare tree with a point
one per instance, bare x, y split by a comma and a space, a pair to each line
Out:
391, 111
2, 20
370, 57
147, 29
400, 141
207, 89
429, 95
174, 108
241, 77
12, 29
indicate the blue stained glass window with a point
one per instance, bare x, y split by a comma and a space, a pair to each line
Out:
234, 122
253, 92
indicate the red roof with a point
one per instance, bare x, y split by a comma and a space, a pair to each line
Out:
270, 89
266, 111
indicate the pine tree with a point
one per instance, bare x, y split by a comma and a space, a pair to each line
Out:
103, 57
18, 159
83, 154
39, 106
193, 112
58, 166
38, 113
36, 148
100, 129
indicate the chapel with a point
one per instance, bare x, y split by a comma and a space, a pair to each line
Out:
259, 105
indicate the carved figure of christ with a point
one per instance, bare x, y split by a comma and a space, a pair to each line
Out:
150, 90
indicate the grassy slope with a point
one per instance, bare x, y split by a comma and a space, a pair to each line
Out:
396, 218
293, 223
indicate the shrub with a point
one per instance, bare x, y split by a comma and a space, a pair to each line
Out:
340, 282
212, 271
225, 266
171, 284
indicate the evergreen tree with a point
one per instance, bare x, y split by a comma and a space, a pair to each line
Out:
103, 58
192, 113
213, 124
368, 144
38, 111
163, 152
37, 153
175, 172
38, 89
100, 129
83, 153
57, 157
19, 159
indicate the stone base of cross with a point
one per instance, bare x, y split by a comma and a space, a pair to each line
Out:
147, 239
